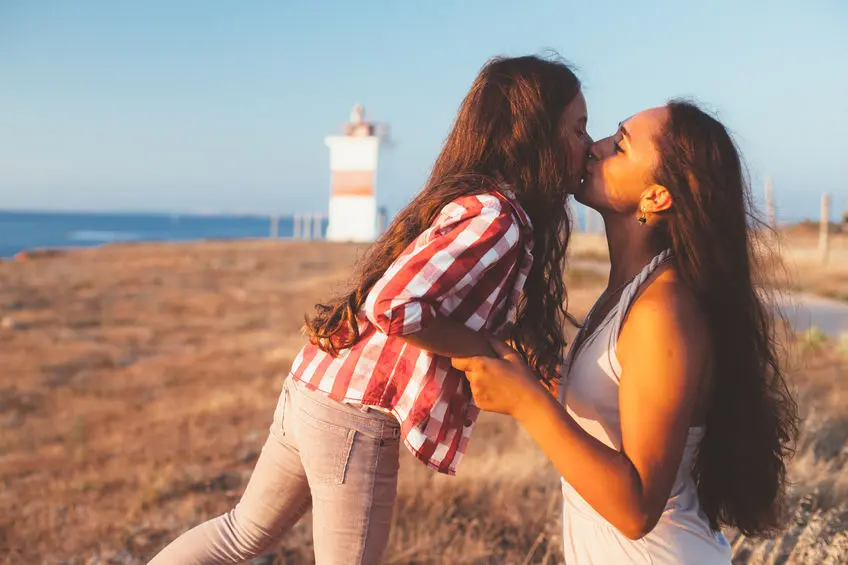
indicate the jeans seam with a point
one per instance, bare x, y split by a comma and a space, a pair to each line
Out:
278, 425
384, 433
328, 427
283, 412
344, 459
382, 424
364, 424
367, 524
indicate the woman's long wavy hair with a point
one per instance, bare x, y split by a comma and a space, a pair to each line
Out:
752, 421
508, 127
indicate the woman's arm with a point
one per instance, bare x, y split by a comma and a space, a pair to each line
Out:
663, 353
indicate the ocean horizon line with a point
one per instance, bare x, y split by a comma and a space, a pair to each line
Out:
133, 212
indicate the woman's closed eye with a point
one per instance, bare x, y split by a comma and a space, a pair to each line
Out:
618, 147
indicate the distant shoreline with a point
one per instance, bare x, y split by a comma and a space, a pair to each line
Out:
78, 240
136, 213
28, 231
782, 223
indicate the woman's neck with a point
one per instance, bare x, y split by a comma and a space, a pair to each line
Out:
630, 247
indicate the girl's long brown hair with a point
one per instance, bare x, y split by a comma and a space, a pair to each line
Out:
752, 420
508, 127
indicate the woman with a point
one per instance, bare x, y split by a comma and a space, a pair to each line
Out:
676, 418
377, 367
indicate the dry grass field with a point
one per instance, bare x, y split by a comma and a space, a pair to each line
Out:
138, 382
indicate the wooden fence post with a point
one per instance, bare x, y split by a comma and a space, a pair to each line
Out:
275, 227
770, 203
824, 228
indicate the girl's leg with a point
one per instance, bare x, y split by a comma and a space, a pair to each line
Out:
350, 456
276, 497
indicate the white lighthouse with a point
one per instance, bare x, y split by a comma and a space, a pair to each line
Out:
353, 177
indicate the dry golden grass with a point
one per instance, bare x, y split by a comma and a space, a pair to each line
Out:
791, 259
138, 383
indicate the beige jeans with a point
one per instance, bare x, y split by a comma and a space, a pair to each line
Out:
340, 460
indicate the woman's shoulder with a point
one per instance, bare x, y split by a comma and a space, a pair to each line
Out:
666, 305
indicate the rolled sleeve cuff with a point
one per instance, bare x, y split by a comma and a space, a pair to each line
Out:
410, 317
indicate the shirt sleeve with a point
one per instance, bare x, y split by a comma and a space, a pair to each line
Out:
471, 245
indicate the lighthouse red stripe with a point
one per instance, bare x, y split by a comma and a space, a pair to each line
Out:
353, 183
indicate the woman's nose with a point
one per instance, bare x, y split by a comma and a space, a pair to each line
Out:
596, 151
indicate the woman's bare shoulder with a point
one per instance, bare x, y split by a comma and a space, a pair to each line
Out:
667, 307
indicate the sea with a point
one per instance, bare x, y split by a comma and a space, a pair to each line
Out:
22, 231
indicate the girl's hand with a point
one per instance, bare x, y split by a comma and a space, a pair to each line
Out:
505, 385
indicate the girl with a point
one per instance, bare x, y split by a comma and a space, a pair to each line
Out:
480, 248
676, 418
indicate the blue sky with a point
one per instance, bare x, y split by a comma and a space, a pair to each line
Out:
212, 105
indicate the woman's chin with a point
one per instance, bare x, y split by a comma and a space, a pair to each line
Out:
580, 194
584, 192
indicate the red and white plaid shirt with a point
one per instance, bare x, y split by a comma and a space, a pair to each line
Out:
469, 265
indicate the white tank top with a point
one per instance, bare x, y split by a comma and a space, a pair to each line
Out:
589, 390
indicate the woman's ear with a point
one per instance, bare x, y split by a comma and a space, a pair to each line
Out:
656, 198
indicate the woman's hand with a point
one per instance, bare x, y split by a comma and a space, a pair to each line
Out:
505, 385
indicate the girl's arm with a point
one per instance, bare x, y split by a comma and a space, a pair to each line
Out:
445, 337
452, 271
